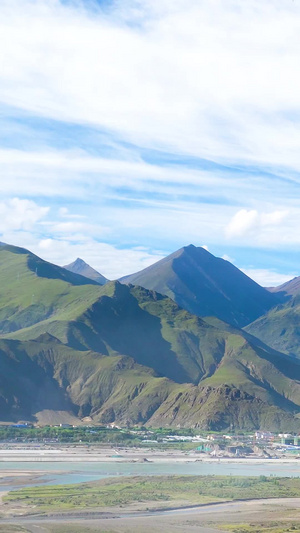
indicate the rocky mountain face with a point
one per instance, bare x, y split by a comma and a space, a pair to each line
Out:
127, 354
206, 285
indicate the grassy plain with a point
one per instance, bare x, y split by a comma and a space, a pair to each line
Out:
158, 491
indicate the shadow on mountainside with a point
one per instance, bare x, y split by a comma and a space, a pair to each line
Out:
123, 327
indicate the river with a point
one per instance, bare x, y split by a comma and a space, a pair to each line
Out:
68, 472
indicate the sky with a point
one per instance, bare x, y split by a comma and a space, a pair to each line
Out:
132, 128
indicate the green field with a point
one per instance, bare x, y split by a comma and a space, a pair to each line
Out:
166, 490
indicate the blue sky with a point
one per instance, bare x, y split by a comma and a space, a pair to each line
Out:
129, 129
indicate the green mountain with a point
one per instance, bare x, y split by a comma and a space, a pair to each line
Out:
280, 327
33, 289
289, 289
81, 267
206, 286
122, 353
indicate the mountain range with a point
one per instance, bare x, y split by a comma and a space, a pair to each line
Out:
143, 350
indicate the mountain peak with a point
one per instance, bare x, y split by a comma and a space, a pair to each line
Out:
79, 266
206, 285
78, 262
192, 249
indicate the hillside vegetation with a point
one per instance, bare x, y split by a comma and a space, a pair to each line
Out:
126, 354
280, 327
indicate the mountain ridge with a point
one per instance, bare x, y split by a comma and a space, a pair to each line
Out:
280, 327
288, 289
206, 285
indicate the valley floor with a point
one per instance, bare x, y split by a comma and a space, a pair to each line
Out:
275, 515
263, 516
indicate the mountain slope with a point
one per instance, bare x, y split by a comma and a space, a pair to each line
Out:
126, 354
36, 265
280, 327
289, 289
33, 289
45, 375
81, 267
138, 323
206, 285
37, 374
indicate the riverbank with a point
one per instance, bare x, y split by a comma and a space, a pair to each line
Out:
65, 453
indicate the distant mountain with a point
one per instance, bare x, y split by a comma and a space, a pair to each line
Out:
206, 285
81, 267
15, 257
289, 289
280, 327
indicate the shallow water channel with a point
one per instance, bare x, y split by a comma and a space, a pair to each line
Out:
53, 473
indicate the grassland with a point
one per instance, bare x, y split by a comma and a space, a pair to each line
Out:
159, 491
263, 527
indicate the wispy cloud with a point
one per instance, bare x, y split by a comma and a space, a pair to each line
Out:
268, 278
214, 79
157, 122
17, 214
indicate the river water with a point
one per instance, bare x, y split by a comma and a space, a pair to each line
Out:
65, 473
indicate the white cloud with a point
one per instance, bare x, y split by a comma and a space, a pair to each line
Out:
107, 259
74, 230
241, 223
64, 212
273, 219
227, 258
249, 222
267, 278
71, 167
215, 79
19, 214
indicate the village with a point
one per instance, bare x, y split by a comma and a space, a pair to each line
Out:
16, 438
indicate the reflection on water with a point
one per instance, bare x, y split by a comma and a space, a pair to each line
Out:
65, 473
